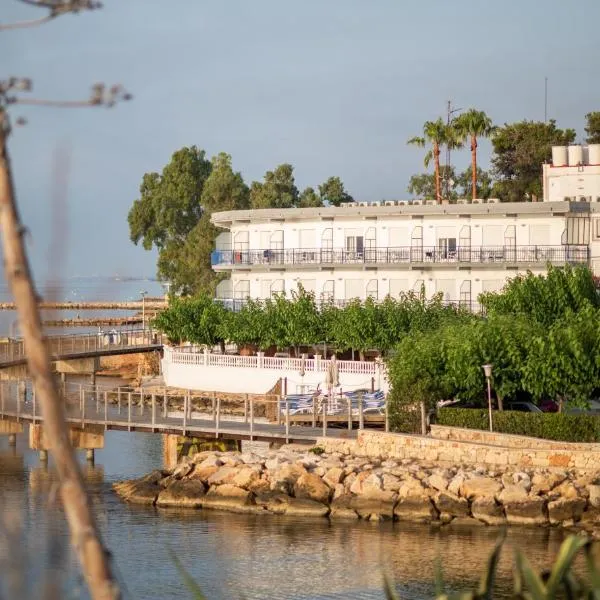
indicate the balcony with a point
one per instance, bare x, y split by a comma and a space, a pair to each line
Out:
404, 255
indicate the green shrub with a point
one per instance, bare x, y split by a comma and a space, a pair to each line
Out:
550, 426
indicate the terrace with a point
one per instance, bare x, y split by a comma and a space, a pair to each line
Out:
403, 255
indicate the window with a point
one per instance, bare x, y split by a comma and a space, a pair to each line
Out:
465, 293
355, 244
224, 290
596, 229
510, 243
328, 292
416, 244
277, 287
241, 289
464, 243
371, 244
447, 247
265, 288
578, 231
373, 289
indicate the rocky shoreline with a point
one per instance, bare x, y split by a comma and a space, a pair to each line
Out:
313, 483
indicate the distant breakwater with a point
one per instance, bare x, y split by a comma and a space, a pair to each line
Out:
101, 305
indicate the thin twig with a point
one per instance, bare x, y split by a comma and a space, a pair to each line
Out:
85, 535
55, 103
25, 24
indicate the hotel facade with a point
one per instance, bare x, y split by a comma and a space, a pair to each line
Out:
460, 250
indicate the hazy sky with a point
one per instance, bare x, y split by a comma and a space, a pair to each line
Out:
334, 87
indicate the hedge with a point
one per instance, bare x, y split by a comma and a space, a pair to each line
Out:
561, 427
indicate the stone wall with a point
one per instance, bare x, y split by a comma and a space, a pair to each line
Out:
395, 445
506, 440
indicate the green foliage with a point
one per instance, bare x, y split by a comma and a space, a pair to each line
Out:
333, 192
318, 450
277, 191
309, 199
562, 427
196, 320
484, 183
249, 326
519, 150
173, 215
458, 185
544, 298
592, 128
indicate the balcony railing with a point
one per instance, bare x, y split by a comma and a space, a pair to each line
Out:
402, 255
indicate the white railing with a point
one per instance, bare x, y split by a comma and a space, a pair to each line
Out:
185, 356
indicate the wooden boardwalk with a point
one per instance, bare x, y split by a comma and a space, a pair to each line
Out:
126, 410
65, 347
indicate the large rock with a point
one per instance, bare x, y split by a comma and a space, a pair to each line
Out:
212, 460
438, 482
186, 493
228, 497
246, 478
594, 495
183, 469
281, 504
333, 476
478, 487
565, 509
566, 490
513, 492
455, 484
375, 508
341, 508
391, 483
530, 511
449, 504
284, 479
138, 491
544, 482
225, 474
313, 487
488, 511
203, 473
411, 487
415, 508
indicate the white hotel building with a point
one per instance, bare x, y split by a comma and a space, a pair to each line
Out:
375, 249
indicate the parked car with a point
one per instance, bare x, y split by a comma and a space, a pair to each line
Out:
549, 406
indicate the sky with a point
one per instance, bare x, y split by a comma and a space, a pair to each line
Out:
334, 87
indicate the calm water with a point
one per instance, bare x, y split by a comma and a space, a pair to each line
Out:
234, 556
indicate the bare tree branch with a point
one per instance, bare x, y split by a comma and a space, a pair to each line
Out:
56, 8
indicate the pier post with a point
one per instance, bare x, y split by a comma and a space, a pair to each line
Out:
287, 421
128, 411
361, 416
218, 421
33, 402
387, 417
44, 456
89, 455
314, 411
423, 419
349, 414
165, 404
246, 409
214, 405
105, 410
12, 439
153, 411
141, 404
97, 395
372, 384
325, 418
251, 419
184, 415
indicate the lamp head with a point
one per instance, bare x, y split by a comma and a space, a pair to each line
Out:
487, 369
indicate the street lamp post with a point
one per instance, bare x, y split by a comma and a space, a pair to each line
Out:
143, 294
487, 369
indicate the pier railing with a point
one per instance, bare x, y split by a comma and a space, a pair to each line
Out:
88, 343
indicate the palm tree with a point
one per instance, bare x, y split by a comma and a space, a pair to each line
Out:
437, 133
473, 124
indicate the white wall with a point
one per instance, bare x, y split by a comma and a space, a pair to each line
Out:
195, 375
571, 182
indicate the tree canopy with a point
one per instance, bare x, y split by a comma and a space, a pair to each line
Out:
333, 192
519, 151
592, 128
278, 190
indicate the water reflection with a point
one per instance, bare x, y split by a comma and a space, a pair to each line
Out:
251, 556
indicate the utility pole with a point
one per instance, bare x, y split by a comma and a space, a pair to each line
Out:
449, 112
545, 99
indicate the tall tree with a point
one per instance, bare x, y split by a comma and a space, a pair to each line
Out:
592, 127
519, 151
277, 191
309, 199
437, 133
173, 215
473, 124
423, 185
333, 192
484, 183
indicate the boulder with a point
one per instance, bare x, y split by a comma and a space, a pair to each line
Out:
138, 491
368, 485
338, 491
246, 477
530, 511
477, 487
341, 508
313, 487
565, 509
284, 479
231, 460
566, 490
594, 495
411, 487
258, 486
513, 492
374, 509
349, 480
438, 482
451, 504
203, 473
186, 493
250, 458
274, 463
488, 511
464, 523
183, 469
211, 461
544, 482
228, 497
280, 504
225, 474
455, 484
391, 483
333, 476
416, 508
201, 456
